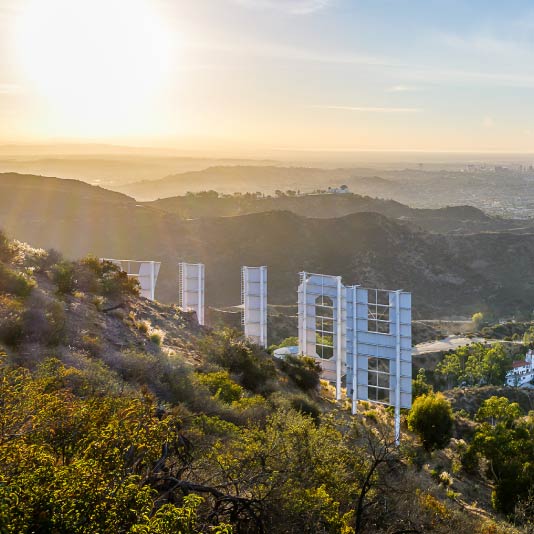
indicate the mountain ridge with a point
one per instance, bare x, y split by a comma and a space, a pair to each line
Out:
457, 274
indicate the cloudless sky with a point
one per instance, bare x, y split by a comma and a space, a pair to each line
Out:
434, 75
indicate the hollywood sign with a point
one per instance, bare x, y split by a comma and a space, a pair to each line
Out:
361, 337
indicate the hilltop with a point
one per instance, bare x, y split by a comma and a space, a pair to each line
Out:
231, 178
451, 219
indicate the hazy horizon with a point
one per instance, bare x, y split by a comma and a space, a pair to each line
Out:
322, 78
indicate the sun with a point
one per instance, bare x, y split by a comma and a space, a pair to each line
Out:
97, 63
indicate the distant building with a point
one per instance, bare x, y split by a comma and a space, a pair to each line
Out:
522, 372
341, 190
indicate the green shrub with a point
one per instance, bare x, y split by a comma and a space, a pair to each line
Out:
371, 415
304, 371
63, 277
92, 344
230, 350
304, 405
221, 386
15, 283
157, 336
46, 261
445, 478
98, 301
432, 419
419, 385
6, 250
11, 330
114, 282
90, 275
470, 461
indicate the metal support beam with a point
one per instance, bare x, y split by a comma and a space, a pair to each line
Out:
339, 338
397, 367
354, 354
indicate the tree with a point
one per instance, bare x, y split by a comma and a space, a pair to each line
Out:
475, 364
528, 336
499, 410
420, 386
477, 320
432, 419
378, 451
506, 441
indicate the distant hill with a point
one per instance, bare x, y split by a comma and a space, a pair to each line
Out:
15, 187
108, 168
228, 179
448, 274
326, 206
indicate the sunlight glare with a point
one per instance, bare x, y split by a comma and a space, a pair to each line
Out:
96, 62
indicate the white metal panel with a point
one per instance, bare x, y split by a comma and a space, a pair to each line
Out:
327, 294
191, 288
394, 346
146, 272
254, 302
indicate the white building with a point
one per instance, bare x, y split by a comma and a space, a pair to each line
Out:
341, 190
522, 372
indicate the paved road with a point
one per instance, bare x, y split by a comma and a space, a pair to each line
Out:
453, 342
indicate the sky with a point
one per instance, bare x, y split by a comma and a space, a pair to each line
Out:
270, 75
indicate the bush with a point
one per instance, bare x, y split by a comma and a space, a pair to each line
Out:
157, 336
304, 405
6, 251
420, 386
11, 330
304, 371
104, 277
44, 322
15, 283
221, 386
229, 350
63, 277
432, 419
445, 479
44, 261
92, 344
470, 461
90, 275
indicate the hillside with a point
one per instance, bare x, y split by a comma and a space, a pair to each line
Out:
463, 273
453, 219
124, 415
